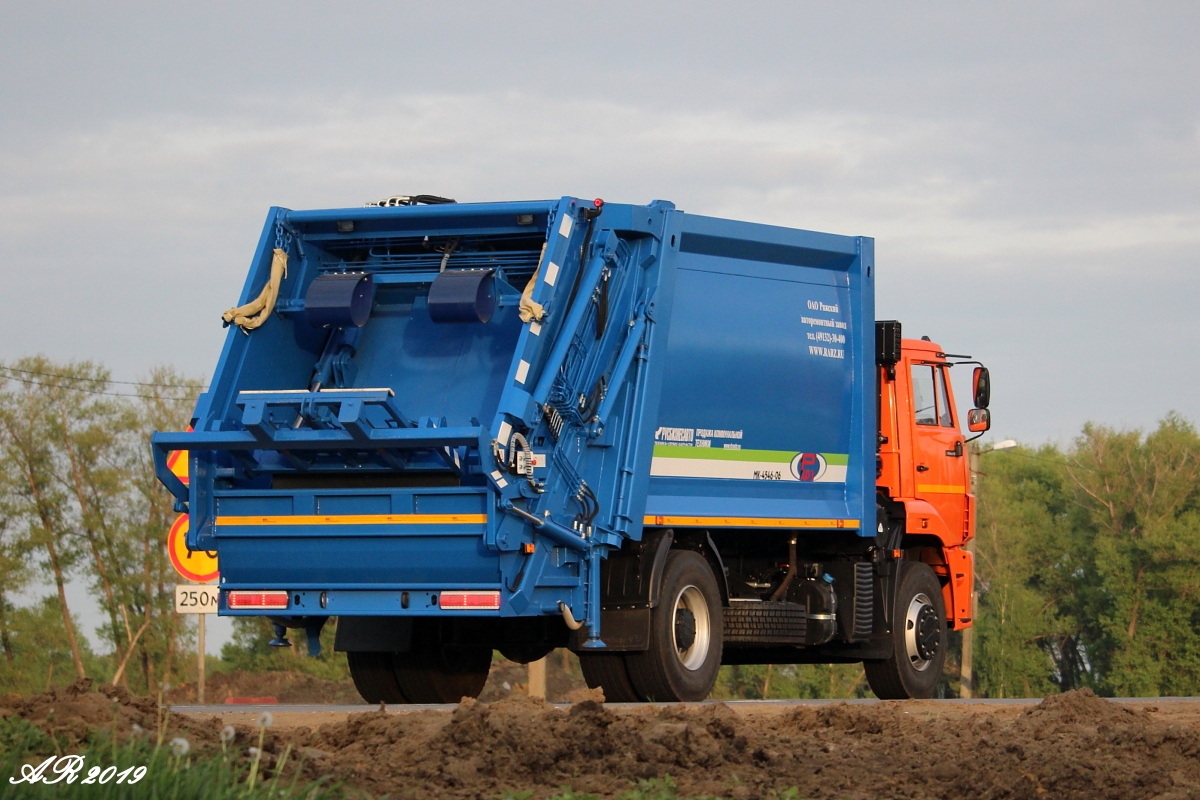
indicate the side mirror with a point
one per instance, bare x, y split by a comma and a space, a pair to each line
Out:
979, 419
981, 388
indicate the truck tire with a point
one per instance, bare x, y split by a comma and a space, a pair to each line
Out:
765, 623
685, 634
430, 673
918, 638
374, 677
608, 671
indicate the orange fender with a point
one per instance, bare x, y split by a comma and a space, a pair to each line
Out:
958, 591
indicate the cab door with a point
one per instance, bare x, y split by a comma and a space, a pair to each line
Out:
939, 454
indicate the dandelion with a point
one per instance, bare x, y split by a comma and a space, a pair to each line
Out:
253, 752
264, 721
180, 747
138, 730
227, 734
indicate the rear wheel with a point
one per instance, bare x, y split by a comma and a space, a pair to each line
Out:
374, 677
918, 638
685, 634
608, 672
433, 672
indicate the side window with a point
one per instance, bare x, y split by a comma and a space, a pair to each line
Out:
943, 400
924, 406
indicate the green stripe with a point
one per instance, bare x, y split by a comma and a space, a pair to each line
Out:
721, 454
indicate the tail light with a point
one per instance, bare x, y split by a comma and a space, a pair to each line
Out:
479, 601
271, 600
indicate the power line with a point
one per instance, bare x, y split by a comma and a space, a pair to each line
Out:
80, 389
97, 380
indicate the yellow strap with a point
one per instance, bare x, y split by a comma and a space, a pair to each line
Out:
256, 312
528, 309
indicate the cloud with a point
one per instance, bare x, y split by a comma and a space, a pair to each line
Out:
153, 214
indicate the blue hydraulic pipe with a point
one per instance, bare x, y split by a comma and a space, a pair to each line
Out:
564, 337
558, 533
628, 350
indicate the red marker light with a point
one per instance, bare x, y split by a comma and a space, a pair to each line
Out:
598, 203
257, 599
480, 601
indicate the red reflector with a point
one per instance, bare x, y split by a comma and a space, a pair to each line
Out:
598, 203
476, 600
257, 599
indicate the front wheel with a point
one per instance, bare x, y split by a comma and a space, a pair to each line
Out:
918, 638
685, 634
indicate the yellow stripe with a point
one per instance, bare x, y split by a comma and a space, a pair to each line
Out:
937, 488
358, 519
749, 522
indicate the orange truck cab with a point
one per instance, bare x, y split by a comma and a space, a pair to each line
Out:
926, 506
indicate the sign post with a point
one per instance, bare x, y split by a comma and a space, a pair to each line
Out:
200, 659
202, 601
198, 566
537, 678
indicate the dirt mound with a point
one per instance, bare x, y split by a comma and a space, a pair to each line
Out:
1070, 745
1075, 745
522, 744
77, 713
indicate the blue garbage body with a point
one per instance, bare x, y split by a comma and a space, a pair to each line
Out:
447, 458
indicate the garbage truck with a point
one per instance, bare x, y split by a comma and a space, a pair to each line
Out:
663, 440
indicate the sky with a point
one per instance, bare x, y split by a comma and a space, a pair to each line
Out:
1030, 172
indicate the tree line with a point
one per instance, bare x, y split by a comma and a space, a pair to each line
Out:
79, 500
1087, 556
1088, 564
1087, 574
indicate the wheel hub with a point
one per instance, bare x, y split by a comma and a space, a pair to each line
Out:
927, 633
922, 632
691, 628
685, 628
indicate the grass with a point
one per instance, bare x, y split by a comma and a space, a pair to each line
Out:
171, 770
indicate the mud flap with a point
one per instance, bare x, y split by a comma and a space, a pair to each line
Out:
373, 635
625, 629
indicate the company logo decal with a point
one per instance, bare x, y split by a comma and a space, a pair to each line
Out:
809, 467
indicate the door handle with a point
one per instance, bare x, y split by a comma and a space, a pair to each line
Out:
922, 468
